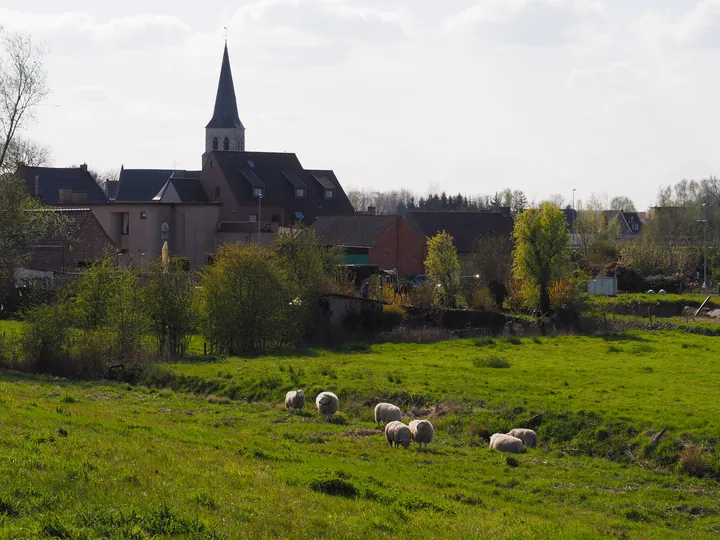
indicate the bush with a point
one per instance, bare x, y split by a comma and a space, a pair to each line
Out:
46, 340
564, 294
629, 279
672, 284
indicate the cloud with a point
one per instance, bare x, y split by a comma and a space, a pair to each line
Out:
74, 31
327, 20
697, 28
526, 22
615, 76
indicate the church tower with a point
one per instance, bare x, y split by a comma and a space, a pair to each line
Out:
225, 132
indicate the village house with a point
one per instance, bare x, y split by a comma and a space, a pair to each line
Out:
236, 195
387, 242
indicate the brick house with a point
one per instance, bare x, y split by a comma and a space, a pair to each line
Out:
387, 242
76, 240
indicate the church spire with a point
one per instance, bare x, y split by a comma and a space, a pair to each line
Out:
225, 132
226, 111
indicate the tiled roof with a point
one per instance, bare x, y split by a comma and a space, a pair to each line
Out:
278, 173
351, 231
138, 185
465, 227
63, 229
51, 179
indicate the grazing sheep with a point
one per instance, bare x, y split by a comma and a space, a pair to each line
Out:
397, 433
295, 400
527, 436
422, 431
506, 443
327, 403
386, 413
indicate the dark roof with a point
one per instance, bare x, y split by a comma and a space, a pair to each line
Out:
52, 179
248, 227
226, 111
465, 227
351, 231
144, 184
189, 190
271, 171
111, 187
62, 231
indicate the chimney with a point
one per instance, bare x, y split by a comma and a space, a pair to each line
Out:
37, 185
371, 210
84, 166
107, 189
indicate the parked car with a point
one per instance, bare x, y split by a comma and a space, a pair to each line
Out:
419, 280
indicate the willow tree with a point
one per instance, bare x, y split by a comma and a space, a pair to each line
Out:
542, 249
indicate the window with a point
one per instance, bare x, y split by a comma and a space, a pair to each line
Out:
143, 215
226, 144
253, 218
300, 193
329, 193
216, 143
258, 192
79, 197
251, 163
65, 195
182, 223
217, 193
125, 230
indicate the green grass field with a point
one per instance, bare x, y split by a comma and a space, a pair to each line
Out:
85, 460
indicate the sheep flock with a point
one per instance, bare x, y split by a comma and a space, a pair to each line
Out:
419, 431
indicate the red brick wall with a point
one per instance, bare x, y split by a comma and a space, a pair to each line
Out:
89, 244
399, 247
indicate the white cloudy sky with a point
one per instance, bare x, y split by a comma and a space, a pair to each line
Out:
605, 96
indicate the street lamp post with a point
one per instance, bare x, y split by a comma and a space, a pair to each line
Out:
705, 226
258, 216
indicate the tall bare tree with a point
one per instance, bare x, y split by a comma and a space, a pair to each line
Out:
22, 88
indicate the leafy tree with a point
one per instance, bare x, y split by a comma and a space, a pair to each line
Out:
169, 304
246, 302
595, 234
622, 203
443, 266
492, 261
542, 249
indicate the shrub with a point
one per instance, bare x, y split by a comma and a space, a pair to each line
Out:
564, 294
246, 302
422, 296
46, 340
483, 299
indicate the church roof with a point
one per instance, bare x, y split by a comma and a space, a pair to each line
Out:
280, 175
226, 111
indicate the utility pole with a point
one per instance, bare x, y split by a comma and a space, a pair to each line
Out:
705, 227
573, 218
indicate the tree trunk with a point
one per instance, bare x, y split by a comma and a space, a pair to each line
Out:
544, 300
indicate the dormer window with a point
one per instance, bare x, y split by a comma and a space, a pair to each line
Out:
329, 194
258, 192
65, 195
300, 193
216, 143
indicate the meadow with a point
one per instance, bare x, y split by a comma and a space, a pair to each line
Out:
204, 449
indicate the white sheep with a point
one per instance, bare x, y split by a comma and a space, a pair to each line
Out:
422, 431
527, 436
506, 443
386, 413
398, 433
295, 400
327, 403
